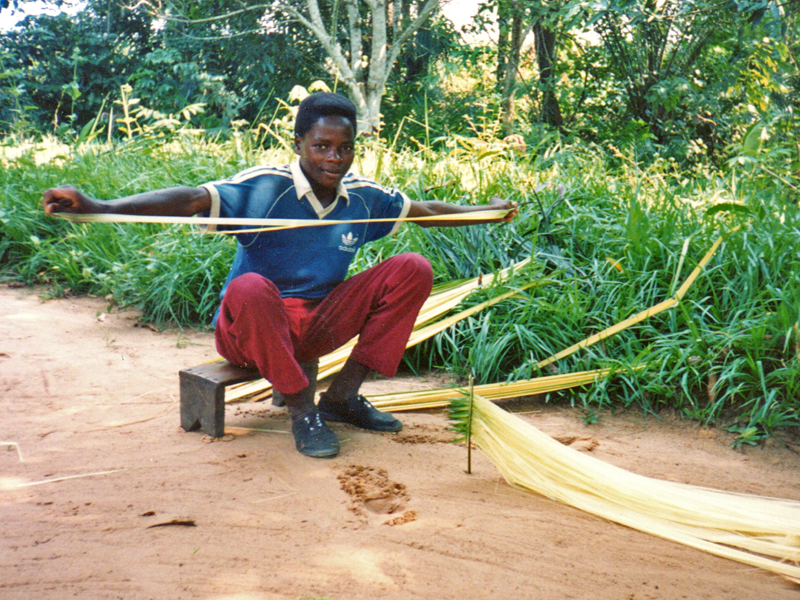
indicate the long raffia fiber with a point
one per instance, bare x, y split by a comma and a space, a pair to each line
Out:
437, 305
434, 308
755, 530
439, 398
637, 318
265, 225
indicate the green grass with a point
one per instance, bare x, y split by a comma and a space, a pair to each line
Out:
608, 238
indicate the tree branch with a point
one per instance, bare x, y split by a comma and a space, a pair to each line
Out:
157, 13
317, 28
397, 44
356, 50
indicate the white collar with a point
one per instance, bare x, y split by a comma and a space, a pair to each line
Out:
303, 188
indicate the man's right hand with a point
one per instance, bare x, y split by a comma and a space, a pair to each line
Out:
69, 200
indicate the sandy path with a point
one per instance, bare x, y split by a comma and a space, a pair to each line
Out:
394, 516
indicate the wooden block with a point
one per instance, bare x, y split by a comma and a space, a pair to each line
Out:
202, 390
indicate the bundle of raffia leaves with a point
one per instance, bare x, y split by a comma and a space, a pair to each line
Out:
755, 530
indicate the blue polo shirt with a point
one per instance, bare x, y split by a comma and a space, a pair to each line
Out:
305, 262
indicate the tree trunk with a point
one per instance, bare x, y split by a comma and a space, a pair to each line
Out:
517, 29
545, 43
354, 29
366, 87
503, 39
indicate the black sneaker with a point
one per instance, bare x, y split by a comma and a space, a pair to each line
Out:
313, 437
359, 412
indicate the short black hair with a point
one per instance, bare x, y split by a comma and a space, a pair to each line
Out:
322, 104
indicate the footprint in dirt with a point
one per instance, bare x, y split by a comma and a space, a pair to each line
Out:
374, 498
583, 443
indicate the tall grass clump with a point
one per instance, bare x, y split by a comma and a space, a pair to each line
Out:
172, 273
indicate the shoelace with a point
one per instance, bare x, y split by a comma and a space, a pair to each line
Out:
314, 421
362, 402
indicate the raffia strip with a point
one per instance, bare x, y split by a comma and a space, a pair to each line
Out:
431, 310
269, 224
435, 306
440, 398
754, 530
332, 363
653, 310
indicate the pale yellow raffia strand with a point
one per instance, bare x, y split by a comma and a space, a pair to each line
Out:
333, 362
436, 305
645, 314
261, 225
481, 215
440, 398
757, 531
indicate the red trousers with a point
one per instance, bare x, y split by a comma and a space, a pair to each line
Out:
256, 327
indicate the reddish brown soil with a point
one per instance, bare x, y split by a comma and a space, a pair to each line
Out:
114, 500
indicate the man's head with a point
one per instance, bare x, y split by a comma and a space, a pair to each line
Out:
325, 142
323, 104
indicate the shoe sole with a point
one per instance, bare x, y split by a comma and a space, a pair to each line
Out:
326, 454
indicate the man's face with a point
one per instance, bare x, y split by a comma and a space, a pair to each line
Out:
326, 153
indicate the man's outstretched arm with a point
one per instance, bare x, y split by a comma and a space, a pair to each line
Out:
170, 202
432, 208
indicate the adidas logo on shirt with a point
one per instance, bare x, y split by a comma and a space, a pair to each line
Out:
348, 241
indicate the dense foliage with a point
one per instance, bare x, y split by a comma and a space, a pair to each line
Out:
58, 73
681, 78
608, 238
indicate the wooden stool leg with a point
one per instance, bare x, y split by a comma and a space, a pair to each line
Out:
202, 405
203, 395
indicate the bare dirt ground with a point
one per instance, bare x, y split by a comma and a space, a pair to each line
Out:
114, 500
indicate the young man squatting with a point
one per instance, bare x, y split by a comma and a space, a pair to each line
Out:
287, 301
